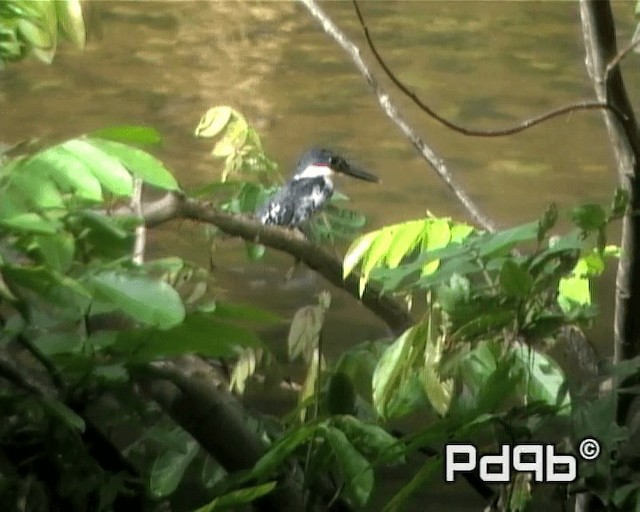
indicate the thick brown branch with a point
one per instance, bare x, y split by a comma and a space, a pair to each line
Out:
176, 206
392, 112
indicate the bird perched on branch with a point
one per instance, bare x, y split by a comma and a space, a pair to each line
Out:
309, 189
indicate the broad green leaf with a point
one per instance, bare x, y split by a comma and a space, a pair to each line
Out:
514, 280
51, 344
546, 380
142, 298
198, 334
214, 121
111, 174
371, 440
140, 163
240, 497
57, 251
502, 241
356, 470
67, 171
129, 134
169, 468
39, 192
64, 413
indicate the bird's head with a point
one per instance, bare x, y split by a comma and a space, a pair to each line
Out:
318, 162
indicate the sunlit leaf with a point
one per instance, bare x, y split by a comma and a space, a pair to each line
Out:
354, 254
111, 174
213, 121
141, 164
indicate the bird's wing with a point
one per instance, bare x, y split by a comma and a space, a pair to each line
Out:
295, 202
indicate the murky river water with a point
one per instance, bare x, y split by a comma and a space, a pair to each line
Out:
482, 64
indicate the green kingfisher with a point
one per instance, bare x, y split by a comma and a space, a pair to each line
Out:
309, 189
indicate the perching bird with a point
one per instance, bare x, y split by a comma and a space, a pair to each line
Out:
309, 189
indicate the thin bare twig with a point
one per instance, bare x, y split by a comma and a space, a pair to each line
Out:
621, 55
472, 132
392, 112
140, 239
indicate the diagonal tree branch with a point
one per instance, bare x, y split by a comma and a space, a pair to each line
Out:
177, 206
392, 112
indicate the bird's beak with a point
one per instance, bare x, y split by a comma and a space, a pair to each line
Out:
355, 172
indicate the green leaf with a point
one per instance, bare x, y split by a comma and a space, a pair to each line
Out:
57, 289
546, 381
111, 174
589, 217
506, 240
57, 251
51, 344
198, 334
371, 440
239, 497
514, 280
142, 298
141, 164
356, 470
129, 134
169, 468
281, 449
67, 171
63, 412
